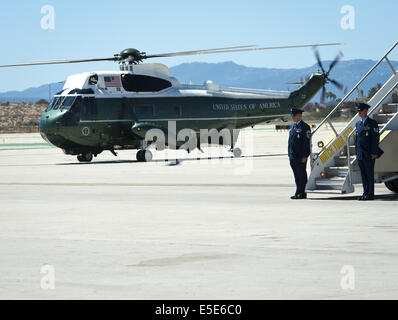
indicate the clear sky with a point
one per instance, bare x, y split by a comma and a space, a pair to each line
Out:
93, 28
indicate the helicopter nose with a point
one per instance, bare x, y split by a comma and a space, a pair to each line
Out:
49, 127
50, 121
46, 123
45, 127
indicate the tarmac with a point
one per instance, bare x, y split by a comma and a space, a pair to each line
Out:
218, 228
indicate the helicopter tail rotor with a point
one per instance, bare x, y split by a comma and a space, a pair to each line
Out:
325, 74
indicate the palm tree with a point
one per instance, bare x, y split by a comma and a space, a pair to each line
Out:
330, 95
373, 91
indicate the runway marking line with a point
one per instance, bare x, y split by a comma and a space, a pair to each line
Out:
24, 144
33, 148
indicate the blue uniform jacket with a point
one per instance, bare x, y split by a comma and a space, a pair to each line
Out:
367, 139
299, 140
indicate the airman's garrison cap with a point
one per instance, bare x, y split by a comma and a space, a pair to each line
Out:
362, 106
295, 111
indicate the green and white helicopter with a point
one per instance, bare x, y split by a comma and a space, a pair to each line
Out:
115, 110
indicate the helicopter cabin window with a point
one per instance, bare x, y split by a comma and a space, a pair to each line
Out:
93, 79
141, 83
177, 111
81, 91
144, 111
168, 111
89, 106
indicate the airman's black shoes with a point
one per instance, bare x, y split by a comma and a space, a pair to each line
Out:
299, 196
366, 198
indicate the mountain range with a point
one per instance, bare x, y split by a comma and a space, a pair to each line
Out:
228, 73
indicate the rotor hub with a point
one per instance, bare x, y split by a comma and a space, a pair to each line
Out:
130, 56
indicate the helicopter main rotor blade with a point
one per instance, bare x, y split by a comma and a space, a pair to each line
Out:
186, 53
141, 55
193, 52
39, 63
115, 58
337, 84
204, 50
335, 61
196, 52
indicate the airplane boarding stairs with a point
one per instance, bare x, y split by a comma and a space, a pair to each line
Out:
334, 168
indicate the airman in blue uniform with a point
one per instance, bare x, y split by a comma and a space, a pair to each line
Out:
299, 151
367, 149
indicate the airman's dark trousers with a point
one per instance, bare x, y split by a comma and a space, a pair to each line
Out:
367, 167
300, 174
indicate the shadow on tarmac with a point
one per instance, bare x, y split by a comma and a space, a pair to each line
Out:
382, 197
171, 162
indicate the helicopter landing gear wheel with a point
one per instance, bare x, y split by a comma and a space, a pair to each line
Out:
392, 185
144, 156
85, 157
139, 156
237, 152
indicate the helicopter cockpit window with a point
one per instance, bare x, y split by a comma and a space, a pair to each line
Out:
51, 104
141, 83
58, 103
67, 103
